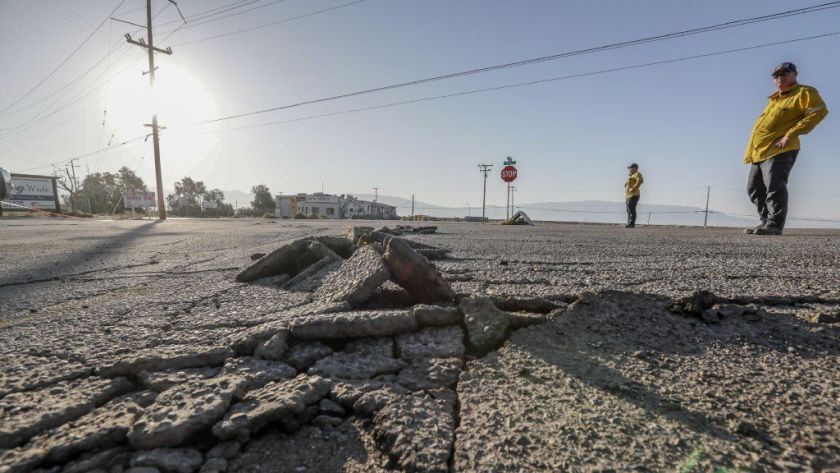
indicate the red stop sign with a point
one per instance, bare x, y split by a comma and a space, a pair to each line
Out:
509, 173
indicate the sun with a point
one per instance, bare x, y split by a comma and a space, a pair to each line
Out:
180, 100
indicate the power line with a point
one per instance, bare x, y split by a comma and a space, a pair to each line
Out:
43, 115
212, 17
208, 13
274, 23
524, 84
623, 44
114, 146
39, 83
38, 118
113, 48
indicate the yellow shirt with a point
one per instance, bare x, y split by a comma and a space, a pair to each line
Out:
790, 114
634, 182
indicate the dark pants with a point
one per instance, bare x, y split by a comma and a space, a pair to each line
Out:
632, 202
767, 188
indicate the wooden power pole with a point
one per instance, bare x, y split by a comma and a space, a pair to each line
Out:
155, 131
484, 168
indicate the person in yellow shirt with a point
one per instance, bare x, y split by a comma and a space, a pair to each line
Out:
632, 193
793, 110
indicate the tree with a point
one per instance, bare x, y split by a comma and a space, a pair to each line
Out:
214, 195
185, 198
218, 197
102, 192
263, 201
188, 195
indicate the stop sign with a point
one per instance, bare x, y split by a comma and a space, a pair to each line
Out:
509, 173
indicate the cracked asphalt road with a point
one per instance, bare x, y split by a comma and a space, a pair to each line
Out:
653, 392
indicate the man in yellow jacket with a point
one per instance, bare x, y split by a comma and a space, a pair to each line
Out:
793, 110
632, 193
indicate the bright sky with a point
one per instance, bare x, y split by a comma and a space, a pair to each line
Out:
685, 123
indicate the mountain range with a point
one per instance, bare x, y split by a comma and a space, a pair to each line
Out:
595, 211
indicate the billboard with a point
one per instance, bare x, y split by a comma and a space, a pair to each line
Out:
139, 199
34, 192
209, 205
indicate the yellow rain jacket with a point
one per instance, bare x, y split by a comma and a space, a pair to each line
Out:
791, 113
634, 182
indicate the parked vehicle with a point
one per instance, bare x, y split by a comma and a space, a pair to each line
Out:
5, 183
5, 186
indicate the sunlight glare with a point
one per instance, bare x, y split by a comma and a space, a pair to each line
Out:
179, 98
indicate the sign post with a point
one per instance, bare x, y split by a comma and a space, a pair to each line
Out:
509, 174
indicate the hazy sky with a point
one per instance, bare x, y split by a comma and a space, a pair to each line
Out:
685, 123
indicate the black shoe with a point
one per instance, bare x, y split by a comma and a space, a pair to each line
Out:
767, 230
629, 226
751, 231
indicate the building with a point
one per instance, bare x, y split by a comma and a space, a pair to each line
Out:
320, 205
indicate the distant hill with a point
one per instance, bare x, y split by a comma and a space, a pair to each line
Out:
596, 211
576, 211
403, 205
614, 212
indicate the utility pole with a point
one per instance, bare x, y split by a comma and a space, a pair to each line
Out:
412, 206
73, 185
375, 193
469, 210
150, 47
73, 168
512, 206
706, 218
507, 205
484, 168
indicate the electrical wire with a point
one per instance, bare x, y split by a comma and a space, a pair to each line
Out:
273, 23
9, 131
212, 18
114, 146
523, 84
41, 116
62, 63
623, 44
75, 81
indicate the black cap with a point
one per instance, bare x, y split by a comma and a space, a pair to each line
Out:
634, 165
784, 68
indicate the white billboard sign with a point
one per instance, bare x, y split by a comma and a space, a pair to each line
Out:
139, 199
35, 192
209, 205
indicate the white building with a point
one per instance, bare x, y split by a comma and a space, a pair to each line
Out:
331, 206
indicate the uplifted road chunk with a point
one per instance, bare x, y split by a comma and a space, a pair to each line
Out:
354, 324
415, 274
486, 325
356, 279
